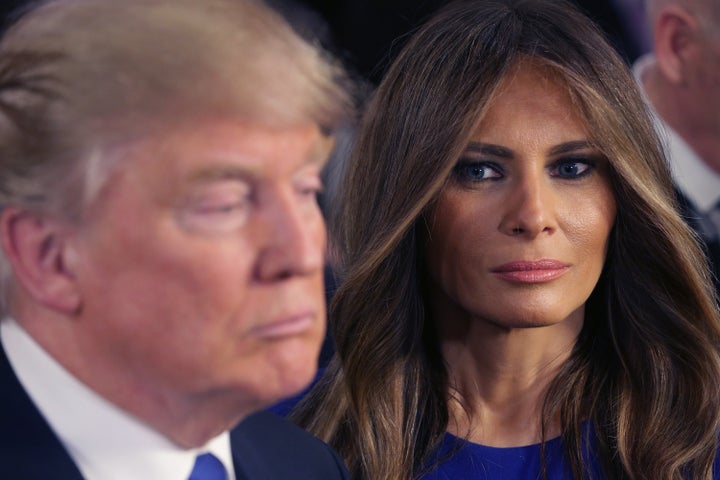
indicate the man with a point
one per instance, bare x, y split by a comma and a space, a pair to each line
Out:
681, 80
161, 274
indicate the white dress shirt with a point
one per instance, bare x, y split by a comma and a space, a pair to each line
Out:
105, 442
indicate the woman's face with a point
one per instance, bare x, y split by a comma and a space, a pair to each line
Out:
519, 234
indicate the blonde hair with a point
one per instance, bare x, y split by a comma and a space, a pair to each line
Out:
80, 76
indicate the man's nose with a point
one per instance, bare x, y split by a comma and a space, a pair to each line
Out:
293, 240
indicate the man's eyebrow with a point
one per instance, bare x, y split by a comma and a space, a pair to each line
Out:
318, 158
221, 172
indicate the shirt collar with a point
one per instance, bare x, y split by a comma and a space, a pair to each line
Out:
104, 441
691, 174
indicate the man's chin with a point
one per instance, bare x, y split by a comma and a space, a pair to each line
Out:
285, 382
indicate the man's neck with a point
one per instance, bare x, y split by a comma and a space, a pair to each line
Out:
187, 421
103, 440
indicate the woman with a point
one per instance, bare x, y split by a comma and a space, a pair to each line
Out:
520, 297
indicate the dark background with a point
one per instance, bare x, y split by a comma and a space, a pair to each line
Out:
7, 6
367, 34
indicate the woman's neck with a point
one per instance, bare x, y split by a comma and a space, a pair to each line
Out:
499, 377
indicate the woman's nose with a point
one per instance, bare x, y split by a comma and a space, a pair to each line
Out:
529, 208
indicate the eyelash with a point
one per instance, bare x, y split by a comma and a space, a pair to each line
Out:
221, 209
310, 191
310, 188
462, 169
221, 202
588, 163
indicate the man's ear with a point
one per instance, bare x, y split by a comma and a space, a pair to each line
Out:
676, 42
36, 247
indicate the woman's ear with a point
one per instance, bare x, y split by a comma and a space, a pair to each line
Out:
676, 37
36, 247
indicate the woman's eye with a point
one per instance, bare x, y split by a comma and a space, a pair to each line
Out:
571, 169
476, 171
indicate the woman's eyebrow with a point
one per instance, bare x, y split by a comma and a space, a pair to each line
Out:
503, 152
489, 149
569, 147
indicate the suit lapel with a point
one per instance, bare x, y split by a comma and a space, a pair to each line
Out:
246, 461
698, 222
29, 449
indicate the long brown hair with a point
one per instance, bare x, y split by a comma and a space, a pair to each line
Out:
645, 370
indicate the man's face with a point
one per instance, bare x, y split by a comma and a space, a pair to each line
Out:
200, 264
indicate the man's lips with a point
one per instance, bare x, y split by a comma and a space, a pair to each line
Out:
531, 271
285, 326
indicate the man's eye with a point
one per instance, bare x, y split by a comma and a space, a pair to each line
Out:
216, 211
219, 209
476, 171
309, 187
309, 191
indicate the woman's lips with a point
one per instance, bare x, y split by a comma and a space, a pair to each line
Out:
531, 271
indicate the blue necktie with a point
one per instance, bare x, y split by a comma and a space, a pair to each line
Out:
208, 467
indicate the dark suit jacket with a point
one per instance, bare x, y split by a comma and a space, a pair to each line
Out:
264, 445
712, 247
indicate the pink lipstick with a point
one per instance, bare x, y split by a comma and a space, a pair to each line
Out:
524, 271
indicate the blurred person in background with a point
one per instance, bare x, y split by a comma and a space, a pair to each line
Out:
681, 82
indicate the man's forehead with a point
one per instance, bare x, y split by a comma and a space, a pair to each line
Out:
242, 165
210, 150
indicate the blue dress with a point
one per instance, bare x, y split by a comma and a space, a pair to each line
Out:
458, 459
